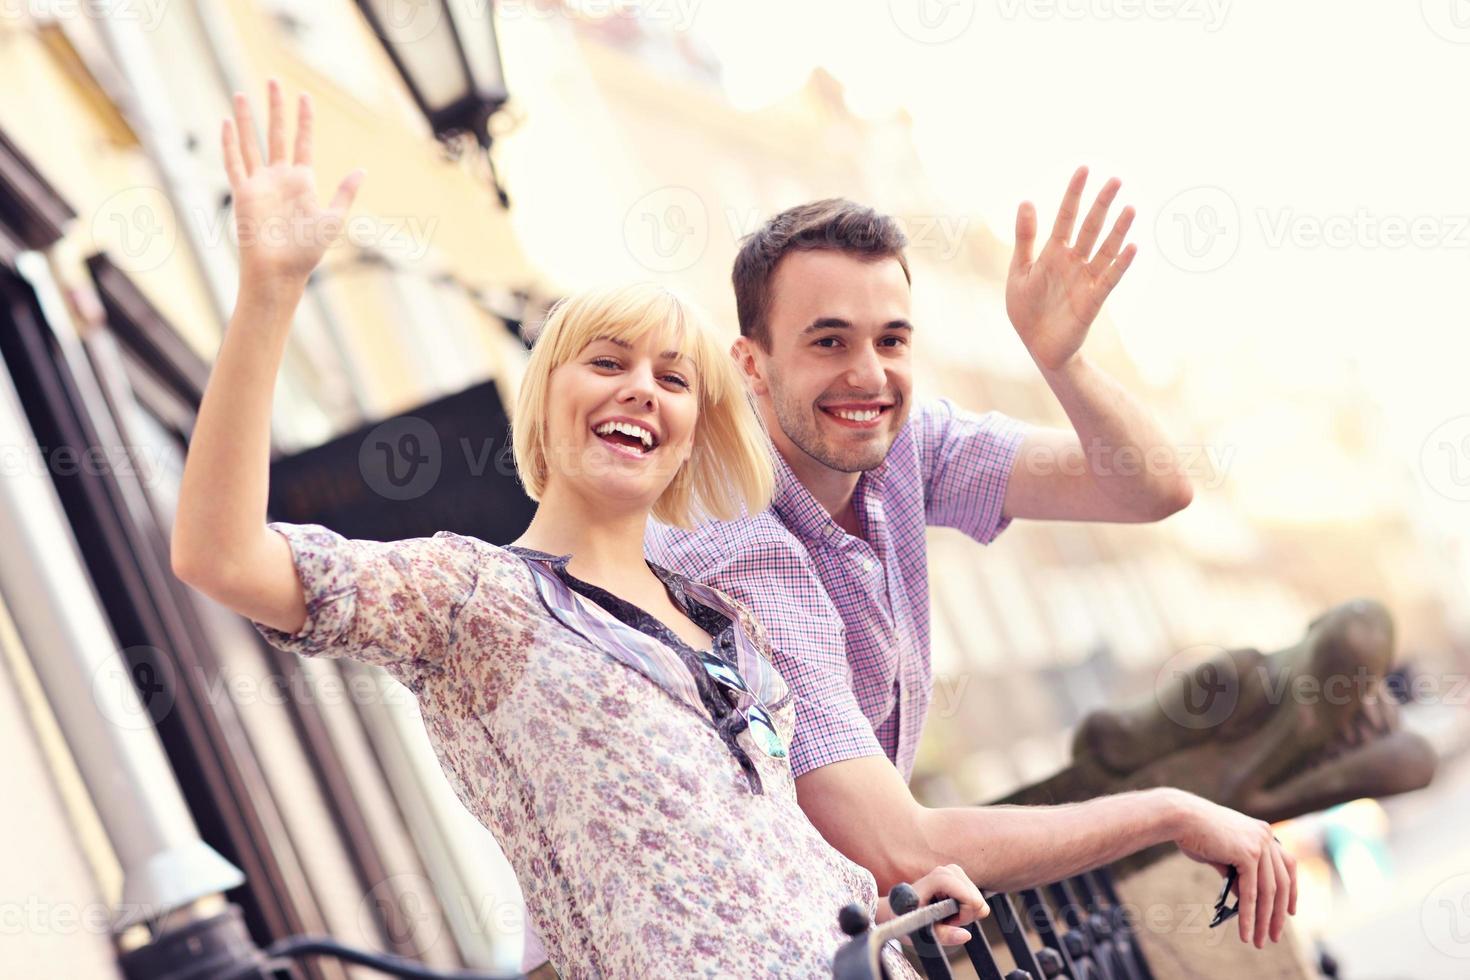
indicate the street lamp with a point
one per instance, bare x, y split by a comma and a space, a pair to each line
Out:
448, 54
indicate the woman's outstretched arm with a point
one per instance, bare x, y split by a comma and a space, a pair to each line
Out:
221, 544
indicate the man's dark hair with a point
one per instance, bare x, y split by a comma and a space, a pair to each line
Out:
834, 223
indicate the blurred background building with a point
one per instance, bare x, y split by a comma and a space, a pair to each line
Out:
624, 154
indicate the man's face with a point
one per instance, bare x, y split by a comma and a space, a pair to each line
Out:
838, 376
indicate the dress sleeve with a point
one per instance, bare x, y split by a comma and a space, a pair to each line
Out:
967, 461
389, 603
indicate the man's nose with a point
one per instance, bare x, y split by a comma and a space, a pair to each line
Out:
866, 372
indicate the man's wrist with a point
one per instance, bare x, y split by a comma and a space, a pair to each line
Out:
1173, 811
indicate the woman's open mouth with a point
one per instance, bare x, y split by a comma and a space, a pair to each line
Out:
867, 415
627, 438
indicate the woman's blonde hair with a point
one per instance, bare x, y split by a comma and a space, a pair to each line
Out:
729, 472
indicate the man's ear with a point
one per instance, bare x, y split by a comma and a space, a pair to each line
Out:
748, 360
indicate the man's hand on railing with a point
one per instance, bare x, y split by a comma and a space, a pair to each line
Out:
946, 881
1223, 838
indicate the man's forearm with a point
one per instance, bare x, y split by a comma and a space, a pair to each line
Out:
1127, 455
1010, 847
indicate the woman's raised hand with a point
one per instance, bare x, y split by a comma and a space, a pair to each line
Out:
283, 229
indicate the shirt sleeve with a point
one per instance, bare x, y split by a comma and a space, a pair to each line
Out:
805, 639
389, 603
967, 461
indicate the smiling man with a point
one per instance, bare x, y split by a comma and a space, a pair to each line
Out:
836, 570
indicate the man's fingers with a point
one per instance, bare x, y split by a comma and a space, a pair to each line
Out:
1061, 231
1114, 273
1266, 896
1114, 242
1283, 891
1092, 224
1246, 892
1291, 871
1025, 236
275, 124
245, 127
230, 150
304, 118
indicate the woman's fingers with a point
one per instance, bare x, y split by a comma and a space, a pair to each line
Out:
346, 192
951, 935
304, 117
245, 128
276, 123
230, 150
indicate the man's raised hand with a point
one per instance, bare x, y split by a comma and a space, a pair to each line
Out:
1053, 300
283, 230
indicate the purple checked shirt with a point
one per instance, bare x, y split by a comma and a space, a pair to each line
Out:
848, 617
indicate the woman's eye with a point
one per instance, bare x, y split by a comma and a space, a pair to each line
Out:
605, 362
676, 379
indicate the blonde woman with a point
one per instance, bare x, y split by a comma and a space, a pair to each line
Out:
618, 728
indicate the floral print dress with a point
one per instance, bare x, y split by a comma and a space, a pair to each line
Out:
642, 846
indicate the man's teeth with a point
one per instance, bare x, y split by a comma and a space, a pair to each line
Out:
627, 429
865, 415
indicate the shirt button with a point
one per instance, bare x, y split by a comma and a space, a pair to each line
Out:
867, 564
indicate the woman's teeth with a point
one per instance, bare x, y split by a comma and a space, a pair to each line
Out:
627, 429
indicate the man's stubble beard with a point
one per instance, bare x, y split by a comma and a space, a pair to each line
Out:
798, 420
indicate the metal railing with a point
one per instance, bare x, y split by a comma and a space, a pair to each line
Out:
1077, 929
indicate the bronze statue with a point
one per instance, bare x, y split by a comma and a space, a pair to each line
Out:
1272, 735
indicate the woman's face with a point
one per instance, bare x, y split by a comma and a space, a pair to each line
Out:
620, 420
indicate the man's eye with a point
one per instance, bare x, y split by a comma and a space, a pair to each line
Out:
897, 341
828, 342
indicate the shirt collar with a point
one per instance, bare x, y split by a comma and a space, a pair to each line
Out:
804, 515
